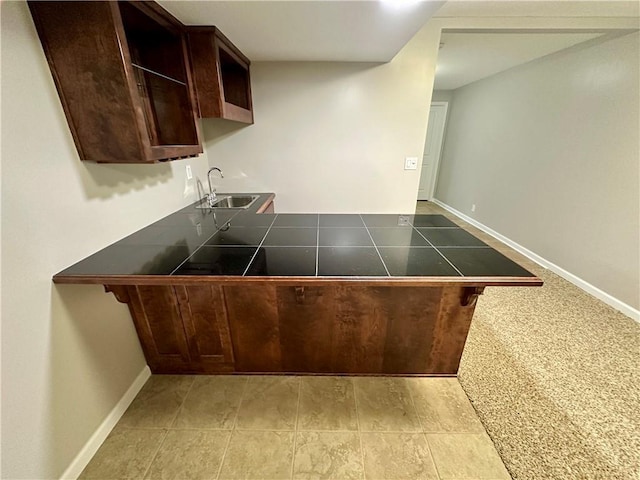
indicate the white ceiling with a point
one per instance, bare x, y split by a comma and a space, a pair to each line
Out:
375, 30
356, 31
540, 8
466, 57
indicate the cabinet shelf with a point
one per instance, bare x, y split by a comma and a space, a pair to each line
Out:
148, 70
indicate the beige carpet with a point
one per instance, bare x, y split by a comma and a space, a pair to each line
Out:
554, 375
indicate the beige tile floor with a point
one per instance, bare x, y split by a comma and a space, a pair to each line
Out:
300, 427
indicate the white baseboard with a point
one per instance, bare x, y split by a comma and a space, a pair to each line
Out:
91, 447
628, 310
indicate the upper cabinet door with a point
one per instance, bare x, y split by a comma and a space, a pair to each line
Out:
221, 75
123, 76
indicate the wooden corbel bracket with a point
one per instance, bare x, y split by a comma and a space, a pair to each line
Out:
119, 291
470, 296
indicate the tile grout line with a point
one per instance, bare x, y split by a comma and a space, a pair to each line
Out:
355, 403
202, 244
357, 246
155, 454
315, 430
232, 245
280, 227
233, 428
422, 429
175, 417
295, 431
376, 247
436, 249
258, 249
478, 247
413, 403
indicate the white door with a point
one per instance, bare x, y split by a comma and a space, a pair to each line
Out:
432, 149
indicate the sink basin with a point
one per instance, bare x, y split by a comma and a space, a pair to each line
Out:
231, 201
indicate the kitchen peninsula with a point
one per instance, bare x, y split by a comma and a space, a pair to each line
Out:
240, 291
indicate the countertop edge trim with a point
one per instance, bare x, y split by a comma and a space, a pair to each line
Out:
309, 280
270, 198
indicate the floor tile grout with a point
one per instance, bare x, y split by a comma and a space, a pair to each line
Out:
224, 454
295, 434
155, 455
233, 428
302, 430
413, 402
355, 402
186, 395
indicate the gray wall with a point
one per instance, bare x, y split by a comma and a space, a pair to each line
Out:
442, 96
549, 154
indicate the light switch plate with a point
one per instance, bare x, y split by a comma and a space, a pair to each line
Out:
411, 163
189, 173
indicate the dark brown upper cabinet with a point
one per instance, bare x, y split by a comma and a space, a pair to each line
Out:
123, 76
221, 75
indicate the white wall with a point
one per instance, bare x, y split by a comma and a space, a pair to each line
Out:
332, 137
549, 154
69, 353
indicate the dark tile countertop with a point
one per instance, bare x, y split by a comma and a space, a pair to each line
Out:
243, 244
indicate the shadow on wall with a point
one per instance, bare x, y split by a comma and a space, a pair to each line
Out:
104, 180
215, 130
94, 356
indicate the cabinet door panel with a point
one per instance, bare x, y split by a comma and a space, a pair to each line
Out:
84, 55
205, 320
331, 329
410, 328
255, 330
305, 328
359, 331
159, 324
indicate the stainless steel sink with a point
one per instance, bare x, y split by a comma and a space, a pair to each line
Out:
230, 201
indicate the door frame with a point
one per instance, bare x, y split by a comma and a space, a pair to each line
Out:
436, 164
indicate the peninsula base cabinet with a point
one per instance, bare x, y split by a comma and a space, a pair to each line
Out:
325, 329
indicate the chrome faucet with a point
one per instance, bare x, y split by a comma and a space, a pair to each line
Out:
211, 197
